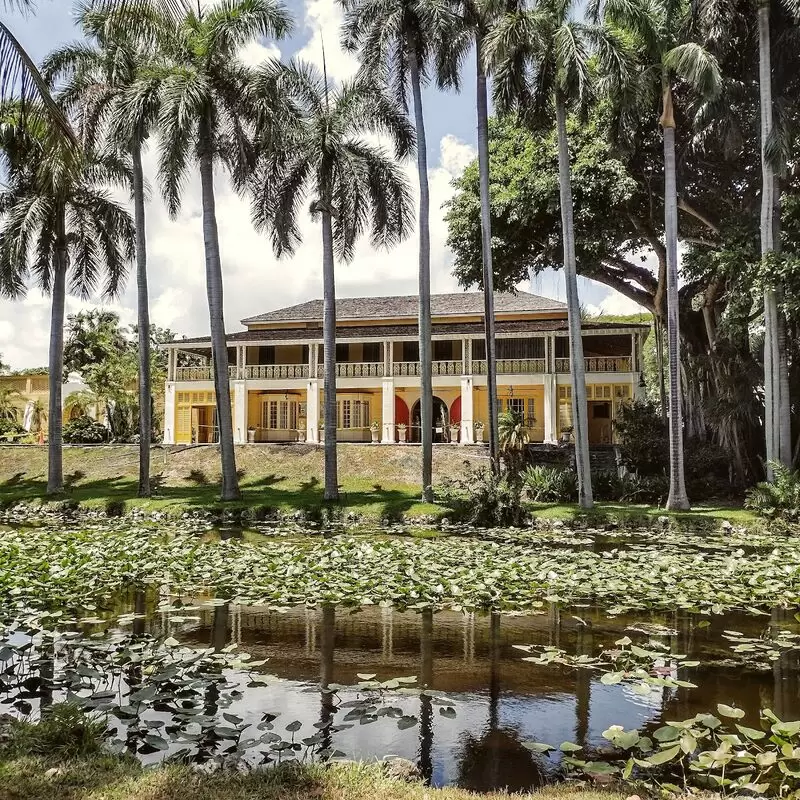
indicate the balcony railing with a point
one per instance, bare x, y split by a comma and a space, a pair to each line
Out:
412, 368
511, 366
356, 369
269, 372
601, 364
195, 373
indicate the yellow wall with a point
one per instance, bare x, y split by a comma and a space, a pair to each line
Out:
480, 401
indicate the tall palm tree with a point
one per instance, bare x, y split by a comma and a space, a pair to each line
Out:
110, 87
203, 93
59, 222
477, 18
400, 41
353, 186
668, 54
20, 77
541, 59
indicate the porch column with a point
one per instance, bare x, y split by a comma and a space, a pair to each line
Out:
550, 409
467, 422
239, 412
313, 360
388, 360
172, 354
169, 413
466, 356
387, 411
312, 409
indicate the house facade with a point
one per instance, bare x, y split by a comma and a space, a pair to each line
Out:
276, 368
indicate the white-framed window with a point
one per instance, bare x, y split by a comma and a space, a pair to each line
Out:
516, 404
279, 415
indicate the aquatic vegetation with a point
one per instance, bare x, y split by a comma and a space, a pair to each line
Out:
48, 567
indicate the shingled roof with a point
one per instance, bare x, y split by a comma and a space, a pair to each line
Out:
407, 306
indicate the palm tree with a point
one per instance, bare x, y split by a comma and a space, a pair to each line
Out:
203, 88
59, 222
401, 42
110, 87
659, 28
513, 437
541, 58
21, 79
477, 18
353, 186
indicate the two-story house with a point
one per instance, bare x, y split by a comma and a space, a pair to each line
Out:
276, 371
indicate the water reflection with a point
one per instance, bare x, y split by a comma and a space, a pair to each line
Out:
501, 701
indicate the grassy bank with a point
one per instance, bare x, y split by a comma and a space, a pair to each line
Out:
108, 778
377, 482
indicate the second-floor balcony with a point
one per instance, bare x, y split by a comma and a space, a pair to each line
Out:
413, 368
355, 369
512, 366
598, 364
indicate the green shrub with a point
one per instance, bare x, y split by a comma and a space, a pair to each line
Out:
84, 430
643, 438
10, 429
707, 470
479, 497
64, 730
779, 499
551, 484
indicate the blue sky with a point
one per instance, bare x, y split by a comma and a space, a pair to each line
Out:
255, 281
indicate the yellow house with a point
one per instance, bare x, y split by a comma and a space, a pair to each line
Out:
26, 390
276, 372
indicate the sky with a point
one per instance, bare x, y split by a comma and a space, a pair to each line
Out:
255, 280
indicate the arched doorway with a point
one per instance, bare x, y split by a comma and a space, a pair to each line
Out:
441, 419
455, 411
401, 415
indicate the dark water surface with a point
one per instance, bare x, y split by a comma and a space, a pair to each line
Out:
501, 700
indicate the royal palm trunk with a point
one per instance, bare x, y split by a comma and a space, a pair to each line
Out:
219, 351
425, 359
329, 344
143, 319
771, 332
580, 409
677, 499
488, 272
55, 368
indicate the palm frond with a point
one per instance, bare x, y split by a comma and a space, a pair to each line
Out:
233, 23
692, 63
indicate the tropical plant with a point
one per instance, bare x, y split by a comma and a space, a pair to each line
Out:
643, 438
9, 403
85, 430
404, 42
541, 60
38, 416
353, 186
513, 438
203, 120
779, 498
81, 403
545, 484
59, 222
110, 87
482, 497
668, 52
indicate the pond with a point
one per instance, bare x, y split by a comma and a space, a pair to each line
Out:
466, 695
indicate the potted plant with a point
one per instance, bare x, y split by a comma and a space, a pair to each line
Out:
251, 435
479, 426
301, 434
375, 431
566, 435
401, 432
455, 428
321, 431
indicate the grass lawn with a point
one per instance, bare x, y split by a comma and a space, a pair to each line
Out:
108, 778
376, 482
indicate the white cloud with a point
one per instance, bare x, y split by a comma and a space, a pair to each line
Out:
324, 19
454, 155
254, 54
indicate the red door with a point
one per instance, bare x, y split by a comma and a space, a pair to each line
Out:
401, 415
455, 411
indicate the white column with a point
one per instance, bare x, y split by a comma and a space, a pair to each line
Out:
467, 421
172, 359
169, 413
313, 360
387, 411
550, 409
239, 412
388, 360
312, 409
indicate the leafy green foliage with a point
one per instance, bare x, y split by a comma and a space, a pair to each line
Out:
480, 497
10, 429
643, 438
64, 730
779, 499
551, 484
84, 430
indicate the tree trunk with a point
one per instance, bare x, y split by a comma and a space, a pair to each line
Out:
580, 408
771, 335
55, 367
143, 323
329, 344
785, 455
219, 350
677, 500
662, 396
488, 272
425, 359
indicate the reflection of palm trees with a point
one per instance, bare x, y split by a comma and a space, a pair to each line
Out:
327, 645
481, 758
425, 759
583, 686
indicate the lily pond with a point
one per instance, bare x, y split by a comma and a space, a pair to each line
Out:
490, 659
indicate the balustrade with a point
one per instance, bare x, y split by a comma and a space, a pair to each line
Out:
598, 364
270, 372
355, 369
